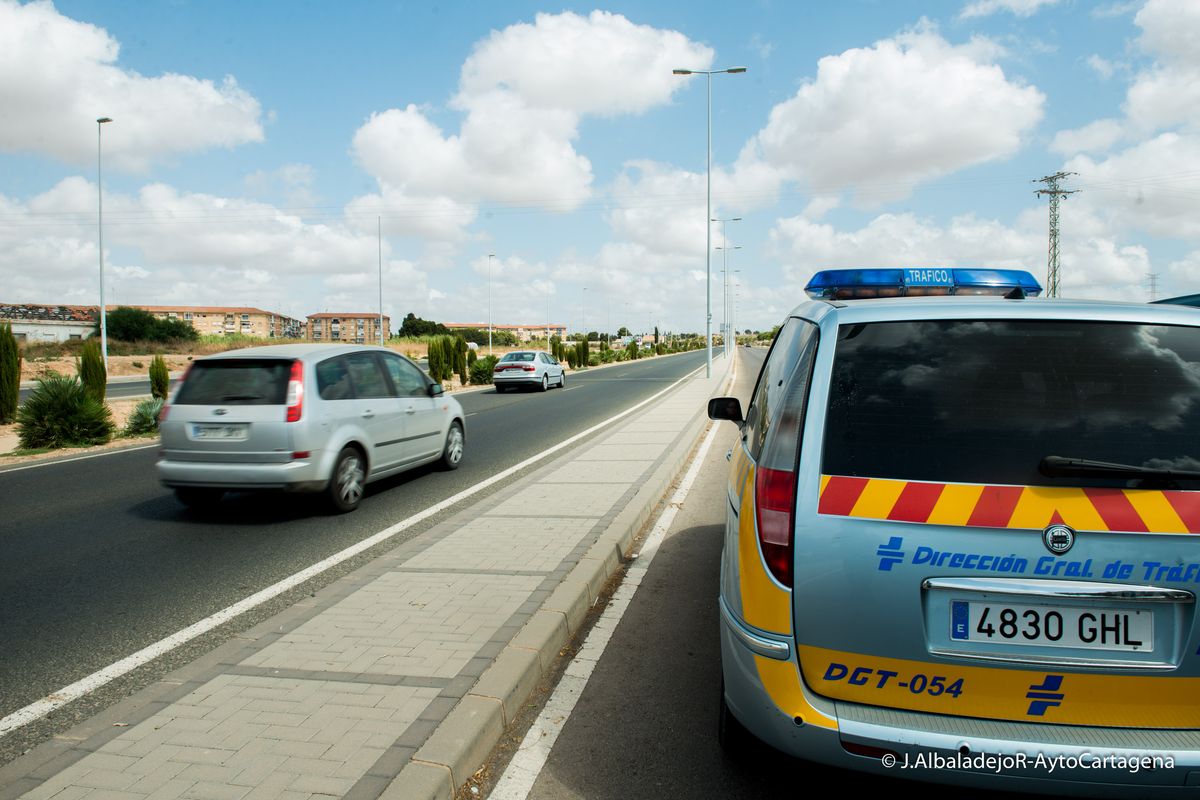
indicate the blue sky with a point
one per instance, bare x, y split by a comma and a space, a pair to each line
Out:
257, 148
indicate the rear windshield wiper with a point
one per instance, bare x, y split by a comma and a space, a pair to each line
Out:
1060, 467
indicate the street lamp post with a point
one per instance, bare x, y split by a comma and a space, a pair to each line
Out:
725, 265
100, 235
725, 295
708, 213
379, 239
490, 257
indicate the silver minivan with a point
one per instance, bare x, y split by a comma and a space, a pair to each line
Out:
303, 417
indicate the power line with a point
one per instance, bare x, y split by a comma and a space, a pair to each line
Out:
1054, 193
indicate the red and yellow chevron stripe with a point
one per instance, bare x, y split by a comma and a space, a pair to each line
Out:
1031, 507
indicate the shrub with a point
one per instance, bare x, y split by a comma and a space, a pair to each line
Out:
144, 418
90, 367
160, 379
581, 353
481, 369
135, 324
61, 413
10, 374
631, 352
572, 354
460, 359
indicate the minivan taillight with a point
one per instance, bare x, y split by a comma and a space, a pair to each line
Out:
295, 392
774, 499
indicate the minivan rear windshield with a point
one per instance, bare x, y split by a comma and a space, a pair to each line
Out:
985, 401
236, 382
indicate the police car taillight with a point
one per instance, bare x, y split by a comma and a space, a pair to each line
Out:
774, 499
851, 284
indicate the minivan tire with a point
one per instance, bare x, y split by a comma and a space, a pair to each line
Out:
348, 480
452, 452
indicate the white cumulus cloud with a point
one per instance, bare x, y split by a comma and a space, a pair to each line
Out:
883, 118
58, 75
523, 92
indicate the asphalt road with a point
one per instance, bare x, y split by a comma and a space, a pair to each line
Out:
646, 724
100, 561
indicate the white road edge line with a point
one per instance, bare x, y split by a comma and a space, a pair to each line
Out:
112, 452
40, 708
526, 765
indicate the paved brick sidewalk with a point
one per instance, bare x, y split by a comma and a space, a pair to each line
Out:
397, 680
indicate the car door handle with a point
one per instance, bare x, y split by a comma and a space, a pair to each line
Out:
729, 455
410, 410
368, 414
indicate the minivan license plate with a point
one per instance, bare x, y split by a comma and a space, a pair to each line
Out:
1105, 628
224, 432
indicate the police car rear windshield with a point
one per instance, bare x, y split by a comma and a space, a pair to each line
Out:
984, 401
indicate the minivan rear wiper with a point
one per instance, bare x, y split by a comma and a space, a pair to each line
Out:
1060, 467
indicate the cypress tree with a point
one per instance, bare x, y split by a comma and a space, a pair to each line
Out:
10, 374
160, 379
91, 370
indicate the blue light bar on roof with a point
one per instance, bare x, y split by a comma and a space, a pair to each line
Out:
848, 284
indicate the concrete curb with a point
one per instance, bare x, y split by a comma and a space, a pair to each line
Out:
464, 741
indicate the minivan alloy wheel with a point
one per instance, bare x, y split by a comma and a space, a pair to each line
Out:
346, 488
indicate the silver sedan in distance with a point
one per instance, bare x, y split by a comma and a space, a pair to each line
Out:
535, 368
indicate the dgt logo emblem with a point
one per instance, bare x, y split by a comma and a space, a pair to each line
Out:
1045, 695
890, 553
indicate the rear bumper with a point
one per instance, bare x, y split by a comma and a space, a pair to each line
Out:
989, 754
301, 475
523, 380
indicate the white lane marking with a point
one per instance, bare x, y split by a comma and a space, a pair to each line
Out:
77, 458
40, 708
522, 772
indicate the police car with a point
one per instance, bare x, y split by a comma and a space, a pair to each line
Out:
961, 537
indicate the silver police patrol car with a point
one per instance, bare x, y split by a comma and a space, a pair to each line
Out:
962, 537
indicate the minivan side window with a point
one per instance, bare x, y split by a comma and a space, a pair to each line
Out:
791, 355
333, 380
368, 378
408, 380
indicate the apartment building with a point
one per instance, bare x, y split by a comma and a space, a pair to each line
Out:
222, 321
524, 333
347, 327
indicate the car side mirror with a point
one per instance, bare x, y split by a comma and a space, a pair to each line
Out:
436, 390
729, 408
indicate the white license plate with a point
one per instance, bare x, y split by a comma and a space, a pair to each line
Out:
234, 433
1125, 629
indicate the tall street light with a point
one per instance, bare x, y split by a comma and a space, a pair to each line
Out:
725, 281
708, 213
100, 231
490, 257
379, 238
725, 304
